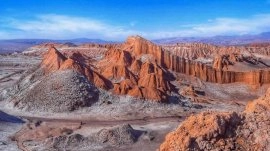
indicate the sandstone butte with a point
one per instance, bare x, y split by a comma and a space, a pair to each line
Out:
142, 69
249, 130
53, 60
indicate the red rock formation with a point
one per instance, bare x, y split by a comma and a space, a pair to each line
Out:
124, 87
174, 60
140, 79
140, 68
118, 72
53, 60
130, 76
224, 131
136, 67
221, 62
202, 127
262, 104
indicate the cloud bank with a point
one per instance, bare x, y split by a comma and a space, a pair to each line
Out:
65, 27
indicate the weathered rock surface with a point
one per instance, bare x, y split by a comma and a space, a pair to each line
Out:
61, 91
260, 105
49, 136
142, 69
53, 61
203, 132
120, 135
123, 70
210, 63
133, 70
194, 59
224, 131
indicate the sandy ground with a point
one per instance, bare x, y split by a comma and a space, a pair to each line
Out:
6, 131
12, 67
151, 134
9, 125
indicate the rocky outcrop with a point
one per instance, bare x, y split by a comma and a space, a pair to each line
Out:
188, 91
142, 69
193, 51
134, 70
122, 70
118, 73
216, 74
59, 136
121, 135
197, 132
222, 62
186, 58
182, 58
260, 105
61, 91
224, 131
53, 61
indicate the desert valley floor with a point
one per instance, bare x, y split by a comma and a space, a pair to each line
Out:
135, 95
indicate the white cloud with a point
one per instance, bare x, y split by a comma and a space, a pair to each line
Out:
222, 26
252, 25
62, 26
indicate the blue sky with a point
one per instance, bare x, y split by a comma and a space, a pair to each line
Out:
115, 20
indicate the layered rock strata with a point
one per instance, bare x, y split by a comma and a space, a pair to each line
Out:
142, 69
195, 68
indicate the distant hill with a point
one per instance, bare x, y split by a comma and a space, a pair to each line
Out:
219, 40
18, 45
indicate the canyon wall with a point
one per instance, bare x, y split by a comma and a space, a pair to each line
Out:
195, 50
142, 69
210, 74
205, 72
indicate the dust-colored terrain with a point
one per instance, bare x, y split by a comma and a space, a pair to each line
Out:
248, 130
129, 96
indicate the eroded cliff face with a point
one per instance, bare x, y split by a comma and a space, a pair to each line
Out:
259, 105
186, 62
143, 69
218, 74
131, 70
193, 51
134, 70
53, 61
224, 131
212, 63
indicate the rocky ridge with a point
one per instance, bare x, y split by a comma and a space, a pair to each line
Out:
60, 91
142, 69
124, 71
224, 131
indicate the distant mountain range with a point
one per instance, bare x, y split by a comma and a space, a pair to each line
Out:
18, 45
219, 40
